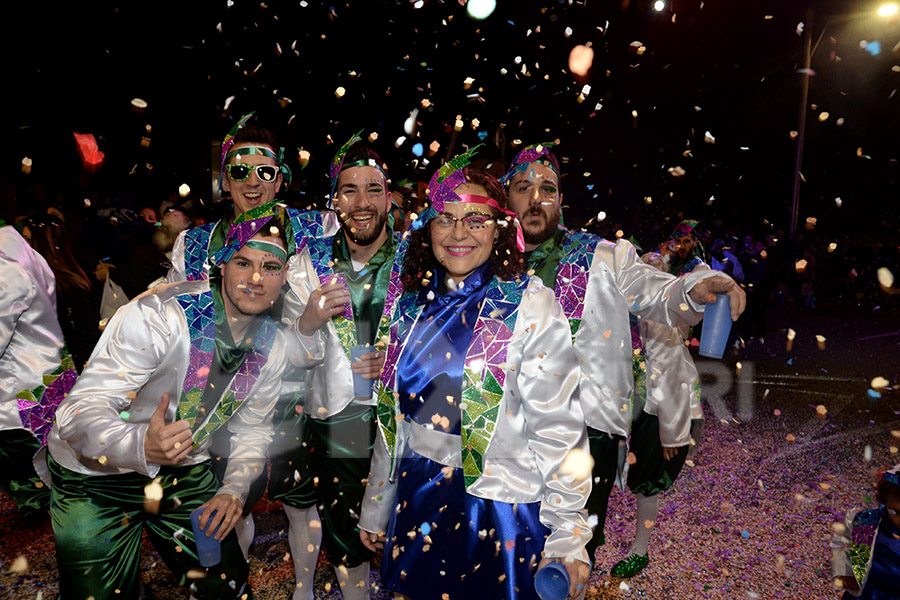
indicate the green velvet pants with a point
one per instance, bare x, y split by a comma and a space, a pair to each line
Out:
17, 475
98, 522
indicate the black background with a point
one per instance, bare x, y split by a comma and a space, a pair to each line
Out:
719, 66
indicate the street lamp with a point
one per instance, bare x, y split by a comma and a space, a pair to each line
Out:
886, 11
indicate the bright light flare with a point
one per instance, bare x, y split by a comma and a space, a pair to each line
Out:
659, 6
888, 10
481, 9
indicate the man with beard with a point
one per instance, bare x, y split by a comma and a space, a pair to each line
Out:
684, 250
599, 283
340, 284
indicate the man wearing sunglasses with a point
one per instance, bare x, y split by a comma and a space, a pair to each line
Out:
341, 284
252, 171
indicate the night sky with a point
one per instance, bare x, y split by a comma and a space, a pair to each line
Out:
726, 67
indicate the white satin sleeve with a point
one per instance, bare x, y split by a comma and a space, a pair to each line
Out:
303, 351
16, 294
840, 549
177, 270
554, 421
381, 492
670, 382
129, 352
252, 427
653, 294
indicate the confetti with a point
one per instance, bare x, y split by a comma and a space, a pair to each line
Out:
19, 565
580, 60
577, 463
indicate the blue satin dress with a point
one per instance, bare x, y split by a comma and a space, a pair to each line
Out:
443, 540
883, 582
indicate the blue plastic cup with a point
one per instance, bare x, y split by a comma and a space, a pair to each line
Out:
209, 549
716, 327
552, 582
362, 388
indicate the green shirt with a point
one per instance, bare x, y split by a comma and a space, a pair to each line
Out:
368, 286
544, 260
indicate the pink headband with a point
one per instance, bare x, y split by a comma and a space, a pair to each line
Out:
488, 201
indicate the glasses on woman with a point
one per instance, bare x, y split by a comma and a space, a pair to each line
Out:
240, 172
470, 222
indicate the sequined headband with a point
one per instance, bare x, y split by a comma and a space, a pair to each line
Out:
228, 142
270, 247
528, 155
337, 165
684, 228
246, 226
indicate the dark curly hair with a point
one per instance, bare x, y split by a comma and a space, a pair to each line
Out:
886, 491
506, 260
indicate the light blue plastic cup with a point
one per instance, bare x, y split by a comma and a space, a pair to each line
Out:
552, 582
209, 549
716, 327
361, 387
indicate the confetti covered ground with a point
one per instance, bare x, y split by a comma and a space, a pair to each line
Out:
751, 519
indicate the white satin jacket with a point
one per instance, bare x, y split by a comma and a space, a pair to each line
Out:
672, 378
145, 352
619, 284
30, 336
539, 424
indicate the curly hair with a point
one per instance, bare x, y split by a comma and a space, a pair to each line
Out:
886, 491
506, 260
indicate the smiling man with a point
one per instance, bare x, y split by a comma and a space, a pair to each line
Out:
340, 283
252, 172
129, 451
599, 283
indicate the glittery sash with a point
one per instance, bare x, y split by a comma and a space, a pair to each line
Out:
572, 276
305, 225
200, 312
37, 407
390, 329
484, 373
196, 252
321, 252
862, 539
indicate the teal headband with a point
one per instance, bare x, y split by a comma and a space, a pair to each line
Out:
251, 151
270, 247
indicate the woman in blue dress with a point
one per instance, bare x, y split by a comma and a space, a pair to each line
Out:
481, 468
865, 559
